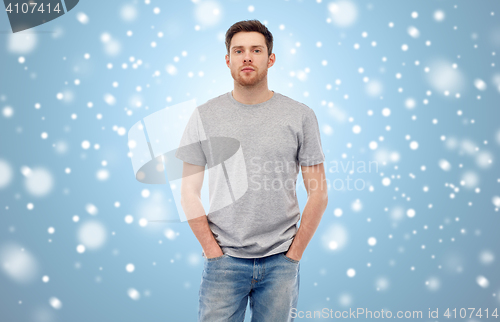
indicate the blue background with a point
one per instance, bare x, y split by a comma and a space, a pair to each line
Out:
456, 230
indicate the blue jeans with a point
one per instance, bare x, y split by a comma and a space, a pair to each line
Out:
271, 283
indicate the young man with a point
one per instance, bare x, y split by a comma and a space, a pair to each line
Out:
253, 141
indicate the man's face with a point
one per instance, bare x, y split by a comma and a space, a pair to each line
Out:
248, 58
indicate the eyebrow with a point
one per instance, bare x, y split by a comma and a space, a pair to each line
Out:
254, 46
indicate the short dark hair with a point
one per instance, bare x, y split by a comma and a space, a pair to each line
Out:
250, 25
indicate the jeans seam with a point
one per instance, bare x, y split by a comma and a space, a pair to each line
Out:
289, 259
216, 258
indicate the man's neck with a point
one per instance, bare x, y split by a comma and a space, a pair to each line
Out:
251, 95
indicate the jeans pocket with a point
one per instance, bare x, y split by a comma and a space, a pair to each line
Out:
216, 258
289, 259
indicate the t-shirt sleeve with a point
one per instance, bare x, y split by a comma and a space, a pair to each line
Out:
190, 147
310, 151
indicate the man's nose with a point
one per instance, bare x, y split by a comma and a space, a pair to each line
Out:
247, 58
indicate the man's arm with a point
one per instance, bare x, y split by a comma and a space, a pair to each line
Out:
317, 200
192, 181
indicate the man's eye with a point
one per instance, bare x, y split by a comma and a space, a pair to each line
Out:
257, 49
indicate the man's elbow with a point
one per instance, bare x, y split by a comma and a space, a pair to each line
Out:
320, 196
324, 198
187, 198
183, 201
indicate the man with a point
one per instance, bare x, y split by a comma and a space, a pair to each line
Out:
251, 243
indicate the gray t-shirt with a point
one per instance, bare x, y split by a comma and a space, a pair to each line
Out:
253, 153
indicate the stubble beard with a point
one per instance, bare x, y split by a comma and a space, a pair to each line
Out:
249, 81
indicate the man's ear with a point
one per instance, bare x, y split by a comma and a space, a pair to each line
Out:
271, 60
227, 59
